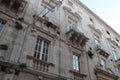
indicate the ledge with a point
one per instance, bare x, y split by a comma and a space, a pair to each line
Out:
46, 22
40, 61
103, 52
100, 71
112, 41
45, 32
49, 75
78, 73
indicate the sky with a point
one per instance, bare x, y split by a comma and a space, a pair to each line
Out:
108, 10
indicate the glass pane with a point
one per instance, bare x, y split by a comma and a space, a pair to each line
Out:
114, 53
46, 57
43, 57
38, 55
1, 27
96, 42
103, 63
42, 10
76, 63
45, 10
37, 48
35, 54
71, 24
41, 49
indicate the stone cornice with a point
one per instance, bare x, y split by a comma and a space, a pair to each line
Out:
45, 74
39, 61
9, 15
103, 72
78, 73
103, 52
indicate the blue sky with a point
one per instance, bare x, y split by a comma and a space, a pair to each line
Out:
108, 10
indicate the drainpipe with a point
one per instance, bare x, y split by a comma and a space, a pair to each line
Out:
59, 54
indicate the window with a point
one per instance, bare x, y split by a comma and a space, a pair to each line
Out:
103, 63
45, 11
71, 24
97, 42
76, 62
2, 23
114, 53
91, 19
117, 39
1, 27
41, 49
108, 32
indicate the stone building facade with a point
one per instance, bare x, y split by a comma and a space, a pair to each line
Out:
56, 40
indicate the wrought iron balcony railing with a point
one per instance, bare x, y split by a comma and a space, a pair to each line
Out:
75, 34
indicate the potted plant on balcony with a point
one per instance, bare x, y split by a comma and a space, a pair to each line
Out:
3, 47
90, 53
18, 26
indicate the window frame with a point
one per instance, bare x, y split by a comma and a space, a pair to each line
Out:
42, 49
114, 52
76, 64
103, 63
97, 41
71, 24
44, 8
3, 22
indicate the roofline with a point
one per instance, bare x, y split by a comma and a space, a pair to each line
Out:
92, 13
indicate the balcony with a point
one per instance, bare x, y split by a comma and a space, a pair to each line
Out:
77, 75
39, 64
75, 35
112, 41
11, 67
102, 51
47, 25
12, 7
105, 73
